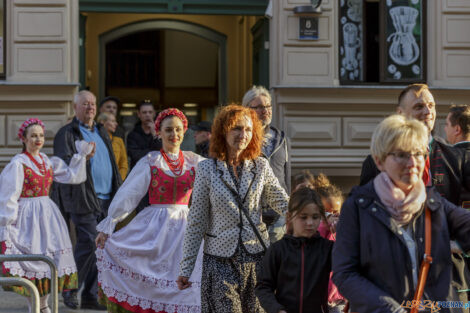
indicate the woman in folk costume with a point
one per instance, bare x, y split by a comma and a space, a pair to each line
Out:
138, 264
30, 222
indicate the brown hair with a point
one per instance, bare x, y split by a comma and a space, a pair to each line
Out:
325, 188
303, 197
224, 122
416, 88
460, 114
304, 176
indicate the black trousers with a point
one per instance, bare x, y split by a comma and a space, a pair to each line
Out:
84, 253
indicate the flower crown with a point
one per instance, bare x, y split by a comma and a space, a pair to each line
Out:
168, 112
26, 124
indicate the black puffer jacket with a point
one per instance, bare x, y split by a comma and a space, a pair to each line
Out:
140, 143
81, 198
371, 263
295, 275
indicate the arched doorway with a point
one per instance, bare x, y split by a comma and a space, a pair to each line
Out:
170, 62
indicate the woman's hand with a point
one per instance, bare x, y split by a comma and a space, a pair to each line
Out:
101, 240
454, 247
332, 221
183, 282
282, 311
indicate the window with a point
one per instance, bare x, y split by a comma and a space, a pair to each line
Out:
382, 41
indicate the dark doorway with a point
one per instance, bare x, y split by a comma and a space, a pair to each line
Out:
171, 68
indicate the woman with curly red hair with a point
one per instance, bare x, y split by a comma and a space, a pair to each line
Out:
138, 264
226, 212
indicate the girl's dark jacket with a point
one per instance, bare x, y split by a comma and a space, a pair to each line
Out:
295, 273
371, 264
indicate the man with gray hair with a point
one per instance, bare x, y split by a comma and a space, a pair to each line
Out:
87, 203
275, 149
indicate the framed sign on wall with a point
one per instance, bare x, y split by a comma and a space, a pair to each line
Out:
404, 53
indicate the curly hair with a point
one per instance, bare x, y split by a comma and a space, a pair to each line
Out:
325, 188
225, 120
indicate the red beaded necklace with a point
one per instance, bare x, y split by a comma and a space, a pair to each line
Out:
176, 166
41, 167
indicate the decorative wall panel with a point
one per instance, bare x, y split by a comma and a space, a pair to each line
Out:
2, 130
52, 123
455, 4
40, 24
457, 64
313, 131
357, 132
454, 34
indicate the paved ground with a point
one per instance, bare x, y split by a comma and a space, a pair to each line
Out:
11, 302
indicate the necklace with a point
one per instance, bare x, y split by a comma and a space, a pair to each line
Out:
176, 166
41, 167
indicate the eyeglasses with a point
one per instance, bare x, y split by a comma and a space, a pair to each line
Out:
403, 157
262, 107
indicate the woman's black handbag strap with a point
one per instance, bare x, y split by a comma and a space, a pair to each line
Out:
247, 215
242, 208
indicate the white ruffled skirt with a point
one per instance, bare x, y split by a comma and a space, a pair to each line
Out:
40, 229
140, 263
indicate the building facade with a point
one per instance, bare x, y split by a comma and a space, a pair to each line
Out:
329, 120
330, 87
41, 49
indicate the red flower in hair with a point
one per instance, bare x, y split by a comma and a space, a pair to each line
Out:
169, 112
27, 123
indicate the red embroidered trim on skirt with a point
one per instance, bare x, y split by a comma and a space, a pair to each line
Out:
141, 305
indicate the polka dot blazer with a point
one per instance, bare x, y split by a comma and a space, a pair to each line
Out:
214, 214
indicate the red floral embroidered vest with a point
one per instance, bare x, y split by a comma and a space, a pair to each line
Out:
165, 189
35, 185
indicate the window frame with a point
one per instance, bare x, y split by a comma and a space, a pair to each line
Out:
4, 52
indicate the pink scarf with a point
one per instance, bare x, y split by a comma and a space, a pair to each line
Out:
401, 207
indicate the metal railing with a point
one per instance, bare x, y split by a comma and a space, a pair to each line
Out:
20, 281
